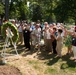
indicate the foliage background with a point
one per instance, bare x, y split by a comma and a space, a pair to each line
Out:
44, 10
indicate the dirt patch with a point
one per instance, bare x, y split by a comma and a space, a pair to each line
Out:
9, 70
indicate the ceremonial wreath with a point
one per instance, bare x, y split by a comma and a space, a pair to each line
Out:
12, 28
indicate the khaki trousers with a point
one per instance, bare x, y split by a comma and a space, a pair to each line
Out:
74, 51
20, 37
48, 45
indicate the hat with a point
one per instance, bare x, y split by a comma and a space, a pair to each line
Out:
45, 23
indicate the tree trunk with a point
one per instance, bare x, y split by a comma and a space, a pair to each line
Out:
6, 9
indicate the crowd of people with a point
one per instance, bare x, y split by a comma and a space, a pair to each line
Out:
31, 34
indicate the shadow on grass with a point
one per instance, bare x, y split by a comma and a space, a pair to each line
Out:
11, 49
19, 48
30, 52
66, 61
1, 48
53, 60
69, 63
43, 55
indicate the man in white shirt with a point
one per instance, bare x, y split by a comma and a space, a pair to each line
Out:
47, 37
20, 30
36, 36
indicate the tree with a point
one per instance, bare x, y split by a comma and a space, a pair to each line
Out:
65, 9
36, 11
14, 10
45, 10
19, 9
1, 10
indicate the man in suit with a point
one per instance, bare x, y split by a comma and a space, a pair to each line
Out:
26, 34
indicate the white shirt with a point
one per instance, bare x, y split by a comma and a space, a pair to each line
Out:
20, 29
48, 34
37, 32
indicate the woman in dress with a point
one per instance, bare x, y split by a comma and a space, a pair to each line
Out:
59, 42
68, 43
73, 40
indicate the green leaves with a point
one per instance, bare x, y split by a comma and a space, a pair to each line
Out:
47, 10
1, 8
65, 9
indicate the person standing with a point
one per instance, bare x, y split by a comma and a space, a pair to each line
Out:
36, 36
59, 39
54, 41
47, 37
73, 33
68, 43
44, 31
74, 43
48, 43
26, 34
20, 30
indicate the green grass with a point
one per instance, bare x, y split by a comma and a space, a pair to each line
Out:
50, 70
47, 63
33, 62
37, 67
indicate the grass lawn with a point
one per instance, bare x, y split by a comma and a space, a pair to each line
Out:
31, 63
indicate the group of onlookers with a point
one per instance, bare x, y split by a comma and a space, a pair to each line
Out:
31, 34
70, 41
53, 38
